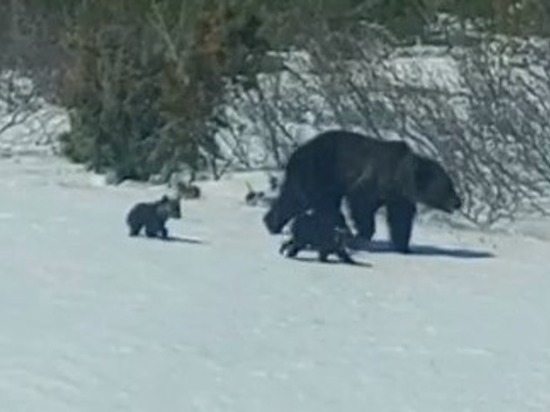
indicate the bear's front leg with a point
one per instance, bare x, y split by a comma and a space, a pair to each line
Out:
163, 233
400, 217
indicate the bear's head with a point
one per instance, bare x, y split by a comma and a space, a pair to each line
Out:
434, 187
169, 207
287, 205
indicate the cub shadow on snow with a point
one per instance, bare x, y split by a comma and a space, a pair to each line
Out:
178, 239
380, 246
175, 239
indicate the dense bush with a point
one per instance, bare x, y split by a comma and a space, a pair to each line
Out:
143, 88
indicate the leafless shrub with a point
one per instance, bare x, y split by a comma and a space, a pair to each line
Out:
18, 100
27, 124
265, 122
482, 110
491, 131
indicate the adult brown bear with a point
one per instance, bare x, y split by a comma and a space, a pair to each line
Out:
370, 173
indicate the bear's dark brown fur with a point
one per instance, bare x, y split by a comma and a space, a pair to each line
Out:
370, 173
153, 216
326, 234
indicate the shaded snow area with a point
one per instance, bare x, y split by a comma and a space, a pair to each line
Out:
93, 320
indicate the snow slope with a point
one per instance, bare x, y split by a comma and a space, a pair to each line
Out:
95, 321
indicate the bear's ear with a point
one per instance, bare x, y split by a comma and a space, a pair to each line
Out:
164, 199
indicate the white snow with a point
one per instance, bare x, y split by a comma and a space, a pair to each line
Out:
93, 320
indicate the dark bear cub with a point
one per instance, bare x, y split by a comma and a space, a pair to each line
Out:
153, 216
326, 233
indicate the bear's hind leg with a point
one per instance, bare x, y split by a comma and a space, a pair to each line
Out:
134, 229
285, 246
292, 252
290, 248
345, 257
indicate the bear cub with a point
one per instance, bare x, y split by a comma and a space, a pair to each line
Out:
153, 216
323, 232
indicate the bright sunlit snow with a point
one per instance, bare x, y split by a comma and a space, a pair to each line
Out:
93, 320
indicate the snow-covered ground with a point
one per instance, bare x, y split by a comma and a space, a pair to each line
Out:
93, 320
217, 320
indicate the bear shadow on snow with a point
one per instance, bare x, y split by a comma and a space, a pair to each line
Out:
381, 246
370, 174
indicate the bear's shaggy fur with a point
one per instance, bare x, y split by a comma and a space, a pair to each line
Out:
153, 216
319, 231
370, 173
